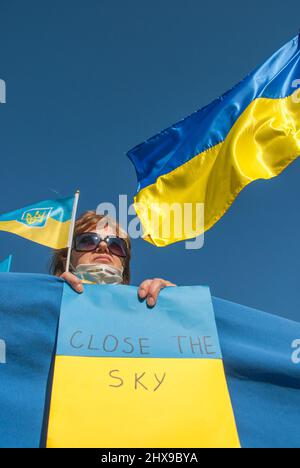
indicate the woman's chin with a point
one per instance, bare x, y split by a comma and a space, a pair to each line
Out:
106, 261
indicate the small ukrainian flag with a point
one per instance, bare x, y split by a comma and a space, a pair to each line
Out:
47, 223
6, 265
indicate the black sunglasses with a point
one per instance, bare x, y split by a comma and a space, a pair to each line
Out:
90, 241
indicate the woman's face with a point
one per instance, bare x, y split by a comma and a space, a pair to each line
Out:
100, 255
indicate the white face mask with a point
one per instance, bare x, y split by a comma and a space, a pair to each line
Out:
99, 273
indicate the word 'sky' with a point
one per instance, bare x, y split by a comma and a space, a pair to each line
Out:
139, 381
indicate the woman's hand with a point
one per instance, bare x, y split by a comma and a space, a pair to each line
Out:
150, 289
73, 281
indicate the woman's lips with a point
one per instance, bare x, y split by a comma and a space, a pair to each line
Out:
102, 259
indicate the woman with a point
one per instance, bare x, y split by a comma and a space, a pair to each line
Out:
101, 253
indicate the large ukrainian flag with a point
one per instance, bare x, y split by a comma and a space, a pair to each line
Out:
251, 132
47, 223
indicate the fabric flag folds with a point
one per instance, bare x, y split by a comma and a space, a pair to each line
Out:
47, 223
262, 363
29, 313
251, 132
261, 356
5, 266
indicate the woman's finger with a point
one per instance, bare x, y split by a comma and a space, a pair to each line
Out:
73, 281
156, 286
144, 289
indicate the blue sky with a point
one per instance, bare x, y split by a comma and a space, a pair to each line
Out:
87, 81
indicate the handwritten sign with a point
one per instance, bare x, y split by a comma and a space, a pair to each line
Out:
130, 376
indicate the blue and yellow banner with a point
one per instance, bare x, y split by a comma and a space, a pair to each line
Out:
5, 266
251, 132
262, 374
261, 354
47, 222
29, 314
127, 376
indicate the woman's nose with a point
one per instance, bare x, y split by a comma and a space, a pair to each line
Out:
102, 247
